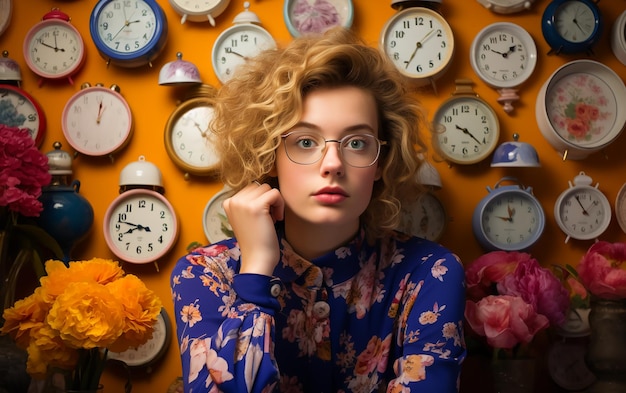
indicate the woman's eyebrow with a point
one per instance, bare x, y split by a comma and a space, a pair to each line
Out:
355, 127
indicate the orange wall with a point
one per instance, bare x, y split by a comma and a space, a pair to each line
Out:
463, 187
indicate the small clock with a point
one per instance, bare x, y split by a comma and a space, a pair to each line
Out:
620, 207
316, 16
6, 10
567, 366
97, 121
128, 34
582, 211
239, 42
618, 38
420, 44
509, 218
188, 136
578, 108
147, 354
199, 10
140, 226
466, 128
20, 109
214, 220
503, 55
571, 26
507, 6
426, 217
54, 48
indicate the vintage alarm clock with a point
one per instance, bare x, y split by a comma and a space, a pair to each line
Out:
508, 218
140, 225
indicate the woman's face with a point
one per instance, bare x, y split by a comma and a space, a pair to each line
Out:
330, 191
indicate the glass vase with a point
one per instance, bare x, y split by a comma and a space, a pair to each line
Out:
606, 352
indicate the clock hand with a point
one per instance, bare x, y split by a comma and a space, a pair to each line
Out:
509, 219
237, 54
585, 213
418, 45
101, 109
135, 227
466, 132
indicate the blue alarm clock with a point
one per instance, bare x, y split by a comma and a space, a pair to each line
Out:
509, 218
128, 35
571, 26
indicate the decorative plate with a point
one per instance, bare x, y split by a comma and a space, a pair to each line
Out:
316, 16
577, 108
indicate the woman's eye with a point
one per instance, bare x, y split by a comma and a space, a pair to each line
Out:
306, 143
357, 144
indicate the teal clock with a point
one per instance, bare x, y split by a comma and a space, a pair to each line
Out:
128, 33
508, 218
571, 26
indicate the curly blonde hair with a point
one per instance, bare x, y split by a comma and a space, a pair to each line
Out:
264, 99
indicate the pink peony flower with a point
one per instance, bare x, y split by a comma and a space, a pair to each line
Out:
538, 287
504, 320
23, 172
602, 270
489, 269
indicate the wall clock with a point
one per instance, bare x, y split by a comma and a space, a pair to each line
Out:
577, 108
53, 48
509, 218
199, 10
420, 44
426, 217
503, 55
128, 34
582, 211
620, 207
571, 26
618, 38
140, 225
97, 121
188, 136
146, 355
239, 42
6, 11
20, 109
506, 6
465, 127
316, 16
214, 219
567, 366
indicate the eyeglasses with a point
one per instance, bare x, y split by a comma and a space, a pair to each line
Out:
357, 150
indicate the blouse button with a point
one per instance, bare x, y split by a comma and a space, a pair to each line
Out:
321, 310
275, 290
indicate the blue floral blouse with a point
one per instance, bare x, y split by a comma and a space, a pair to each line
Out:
364, 318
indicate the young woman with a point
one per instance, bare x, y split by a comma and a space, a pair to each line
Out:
317, 292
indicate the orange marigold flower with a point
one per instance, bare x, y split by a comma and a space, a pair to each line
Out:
25, 315
87, 315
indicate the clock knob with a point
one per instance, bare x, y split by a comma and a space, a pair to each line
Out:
9, 70
141, 174
515, 154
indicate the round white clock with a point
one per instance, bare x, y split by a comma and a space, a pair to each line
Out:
214, 220
140, 226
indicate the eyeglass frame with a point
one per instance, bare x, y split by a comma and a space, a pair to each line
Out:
380, 143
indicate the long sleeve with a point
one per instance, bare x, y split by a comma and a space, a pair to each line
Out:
226, 342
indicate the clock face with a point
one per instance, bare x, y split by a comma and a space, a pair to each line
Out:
199, 10
512, 220
19, 109
128, 33
97, 121
620, 208
140, 226
316, 16
419, 42
188, 137
575, 21
152, 350
583, 212
466, 129
567, 365
503, 55
214, 220
425, 218
54, 49
235, 45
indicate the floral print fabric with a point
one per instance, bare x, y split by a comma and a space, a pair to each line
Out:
364, 318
